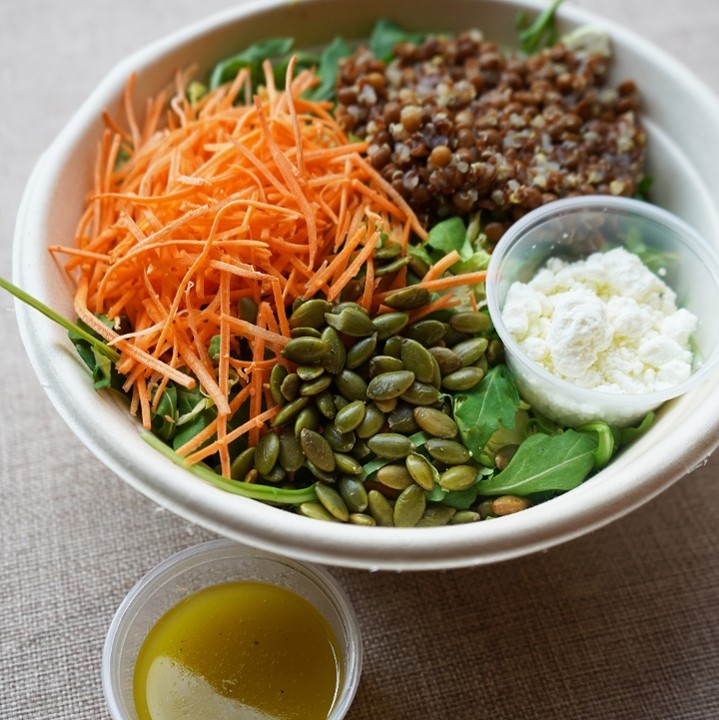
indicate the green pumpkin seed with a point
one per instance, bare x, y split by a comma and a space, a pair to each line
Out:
453, 337
447, 359
347, 465
385, 406
319, 474
391, 267
462, 517
421, 471
326, 404
276, 475
291, 456
458, 477
351, 385
384, 363
308, 418
267, 452
471, 323
362, 519
290, 386
305, 332
242, 464
389, 385
315, 387
310, 314
354, 494
290, 411
495, 352
509, 504
247, 310
418, 266
436, 515
390, 324
401, 420
463, 379
428, 332
416, 358
449, 452
470, 351
278, 374
409, 298
393, 346
351, 291
435, 422
339, 402
388, 251
391, 446
338, 441
350, 416
372, 422
339, 307
360, 451
332, 502
316, 511
420, 394
309, 372
380, 508
336, 355
305, 350
503, 456
409, 507
352, 321
317, 450
394, 476
361, 351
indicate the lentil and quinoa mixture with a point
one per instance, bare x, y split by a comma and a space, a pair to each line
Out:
457, 125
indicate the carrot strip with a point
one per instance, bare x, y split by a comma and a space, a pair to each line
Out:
443, 264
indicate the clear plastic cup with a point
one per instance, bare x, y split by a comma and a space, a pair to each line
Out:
212, 563
572, 229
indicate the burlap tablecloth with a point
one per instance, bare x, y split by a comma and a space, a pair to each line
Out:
622, 623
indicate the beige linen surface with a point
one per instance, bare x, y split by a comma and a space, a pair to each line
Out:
619, 624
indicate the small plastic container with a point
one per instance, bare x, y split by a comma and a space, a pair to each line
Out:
212, 563
572, 229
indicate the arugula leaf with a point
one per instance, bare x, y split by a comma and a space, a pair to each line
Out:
479, 412
328, 69
164, 419
386, 34
545, 463
251, 58
448, 235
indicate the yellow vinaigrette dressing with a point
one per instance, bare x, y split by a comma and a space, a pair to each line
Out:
238, 651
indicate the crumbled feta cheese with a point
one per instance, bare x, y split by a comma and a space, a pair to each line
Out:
606, 323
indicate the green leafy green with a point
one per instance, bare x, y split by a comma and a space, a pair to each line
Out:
386, 34
479, 412
541, 33
164, 419
328, 69
606, 441
545, 463
630, 434
252, 58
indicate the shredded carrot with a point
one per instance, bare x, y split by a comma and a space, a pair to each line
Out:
442, 265
196, 207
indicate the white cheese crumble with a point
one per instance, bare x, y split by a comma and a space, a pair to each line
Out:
605, 323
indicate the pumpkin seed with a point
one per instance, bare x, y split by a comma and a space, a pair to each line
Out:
290, 386
416, 358
385, 406
242, 464
319, 474
361, 351
436, 515
276, 475
469, 322
336, 355
351, 385
350, 416
390, 324
401, 419
278, 374
463, 379
352, 290
372, 422
380, 508
326, 404
469, 351
332, 502
449, 452
305, 350
362, 519
409, 298
389, 385
315, 387
247, 310
308, 372
310, 313
384, 363
347, 465
420, 394
305, 332
421, 471
290, 411
316, 511
394, 476
354, 494
360, 451
308, 418
393, 346
509, 504
504, 455
409, 507
338, 441
388, 251
291, 456
447, 359
458, 477
435, 422
485, 509
495, 352
317, 450
418, 266
391, 267
267, 452
352, 321
428, 331
391, 446
462, 517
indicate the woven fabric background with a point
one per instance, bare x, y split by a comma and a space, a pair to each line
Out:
623, 623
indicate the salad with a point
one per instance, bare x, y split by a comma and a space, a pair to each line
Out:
282, 268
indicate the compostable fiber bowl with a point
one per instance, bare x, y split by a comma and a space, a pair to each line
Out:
212, 563
681, 117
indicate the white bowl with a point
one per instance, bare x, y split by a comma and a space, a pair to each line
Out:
681, 120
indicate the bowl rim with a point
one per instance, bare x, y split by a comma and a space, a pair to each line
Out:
599, 501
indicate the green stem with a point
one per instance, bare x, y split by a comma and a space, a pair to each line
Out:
28, 299
605, 442
533, 36
265, 493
